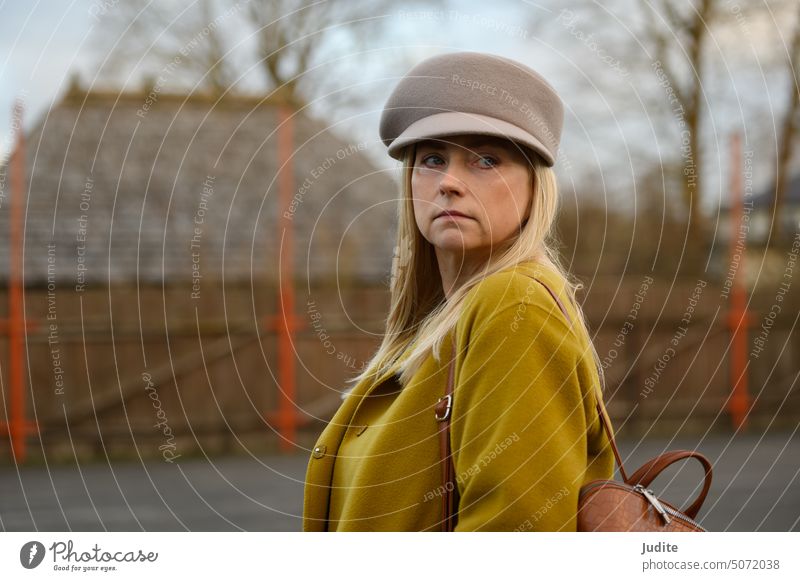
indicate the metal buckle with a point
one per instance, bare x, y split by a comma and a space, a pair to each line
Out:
447, 409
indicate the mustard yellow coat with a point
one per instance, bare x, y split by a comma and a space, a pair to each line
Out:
525, 433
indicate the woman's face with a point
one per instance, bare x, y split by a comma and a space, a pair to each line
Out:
484, 178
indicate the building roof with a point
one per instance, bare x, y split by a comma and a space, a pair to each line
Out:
791, 196
122, 185
762, 199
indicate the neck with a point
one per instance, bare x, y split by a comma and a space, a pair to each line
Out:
456, 269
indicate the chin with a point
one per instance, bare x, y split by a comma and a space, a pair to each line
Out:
450, 241
454, 244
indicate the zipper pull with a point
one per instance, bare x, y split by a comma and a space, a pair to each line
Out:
648, 494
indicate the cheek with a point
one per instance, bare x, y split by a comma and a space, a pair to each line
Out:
419, 197
415, 192
509, 205
420, 185
417, 201
418, 212
418, 206
520, 198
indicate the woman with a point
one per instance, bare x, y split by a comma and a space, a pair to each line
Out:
474, 279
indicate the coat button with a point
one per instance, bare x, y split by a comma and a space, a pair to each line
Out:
319, 451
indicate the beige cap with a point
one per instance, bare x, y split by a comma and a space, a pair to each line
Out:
473, 93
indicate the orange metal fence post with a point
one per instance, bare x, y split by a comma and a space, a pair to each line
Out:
286, 320
16, 323
738, 318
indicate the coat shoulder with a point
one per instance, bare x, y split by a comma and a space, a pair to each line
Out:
514, 287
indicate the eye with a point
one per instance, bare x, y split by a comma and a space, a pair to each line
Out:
431, 160
488, 161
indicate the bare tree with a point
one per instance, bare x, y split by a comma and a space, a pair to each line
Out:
788, 135
690, 29
672, 40
284, 43
145, 35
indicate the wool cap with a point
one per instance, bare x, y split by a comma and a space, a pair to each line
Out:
473, 93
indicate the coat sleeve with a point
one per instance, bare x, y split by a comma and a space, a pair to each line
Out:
519, 428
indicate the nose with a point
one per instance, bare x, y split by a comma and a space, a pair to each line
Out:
451, 180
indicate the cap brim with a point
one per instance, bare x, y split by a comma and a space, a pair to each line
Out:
458, 123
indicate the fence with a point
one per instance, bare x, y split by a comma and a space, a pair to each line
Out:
144, 372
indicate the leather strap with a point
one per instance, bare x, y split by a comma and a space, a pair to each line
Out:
601, 411
607, 427
443, 412
647, 473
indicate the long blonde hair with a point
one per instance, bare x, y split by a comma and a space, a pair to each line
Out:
419, 308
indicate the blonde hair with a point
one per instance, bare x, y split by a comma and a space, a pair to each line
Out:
419, 308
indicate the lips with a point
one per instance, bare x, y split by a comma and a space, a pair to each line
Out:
451, 214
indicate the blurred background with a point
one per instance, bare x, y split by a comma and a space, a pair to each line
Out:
198, 224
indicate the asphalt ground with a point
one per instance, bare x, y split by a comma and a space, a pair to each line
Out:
756, 487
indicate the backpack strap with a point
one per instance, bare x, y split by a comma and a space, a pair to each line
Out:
602, 412
442, 412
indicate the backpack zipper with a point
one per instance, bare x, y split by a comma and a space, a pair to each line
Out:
641, 490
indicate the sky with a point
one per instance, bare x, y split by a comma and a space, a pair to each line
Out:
40, 43
608, 126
